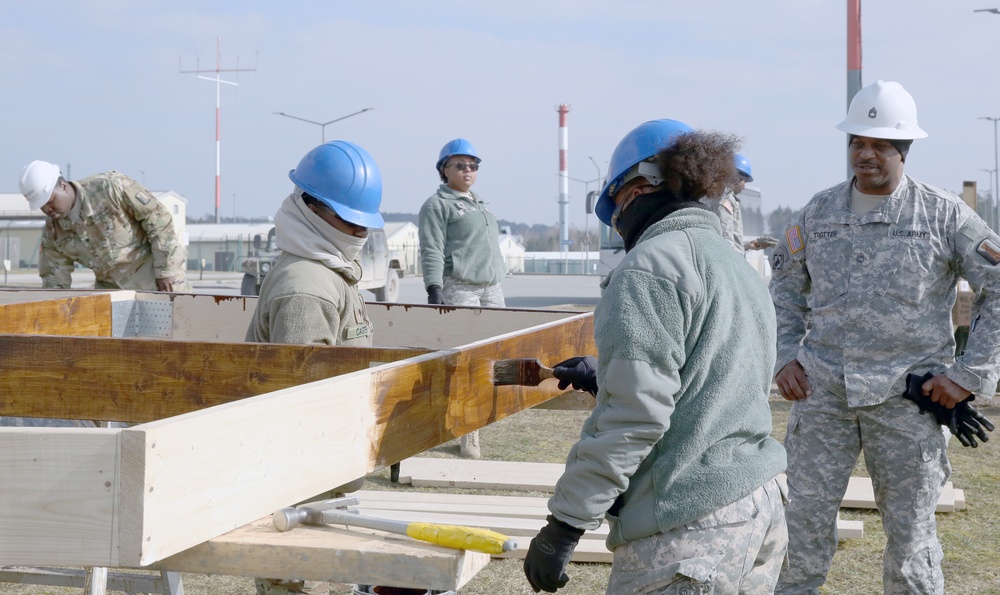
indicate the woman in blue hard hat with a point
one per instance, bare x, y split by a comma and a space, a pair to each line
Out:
310, 296
460, 244
677, 455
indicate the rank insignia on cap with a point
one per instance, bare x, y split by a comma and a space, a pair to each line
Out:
143, 197
989, 251
794, 236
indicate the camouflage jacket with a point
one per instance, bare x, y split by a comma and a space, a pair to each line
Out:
728, 210
125, 236
876, 292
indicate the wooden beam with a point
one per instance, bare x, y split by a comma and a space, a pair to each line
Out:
84, 315
59, 496
141, 380
335, 554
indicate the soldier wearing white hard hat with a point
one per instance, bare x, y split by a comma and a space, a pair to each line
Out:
871, 266
108, 223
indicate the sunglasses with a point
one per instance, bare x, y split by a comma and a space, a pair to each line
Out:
462, 166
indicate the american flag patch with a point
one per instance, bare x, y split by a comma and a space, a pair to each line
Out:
794, 236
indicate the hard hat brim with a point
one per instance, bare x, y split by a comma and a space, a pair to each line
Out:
882, 132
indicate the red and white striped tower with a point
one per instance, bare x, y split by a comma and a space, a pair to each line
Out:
564, 241
853, 59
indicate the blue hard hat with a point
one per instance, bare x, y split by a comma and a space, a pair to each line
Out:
459, 146
343, 176
743, 166
643, 142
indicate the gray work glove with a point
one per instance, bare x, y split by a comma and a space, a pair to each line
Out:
434, 296
964, 421
580, 371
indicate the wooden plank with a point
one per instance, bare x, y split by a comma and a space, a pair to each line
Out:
476, 474
83, 315
861, 494
574, 400
143, 380
588, 550
849, 529
58, 496
542, 477
333, 554
480, 509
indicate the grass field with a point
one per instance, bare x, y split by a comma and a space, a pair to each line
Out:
971, 537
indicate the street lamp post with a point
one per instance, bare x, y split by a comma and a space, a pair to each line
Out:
323, 125
996, 203
993, 198
586, 234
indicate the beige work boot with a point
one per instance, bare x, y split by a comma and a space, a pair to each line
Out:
468, 445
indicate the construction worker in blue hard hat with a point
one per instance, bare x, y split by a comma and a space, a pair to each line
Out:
677, 455
460, 245
863, 285
310, 296
730, 212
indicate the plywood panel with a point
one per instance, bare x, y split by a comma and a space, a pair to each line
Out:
58, 493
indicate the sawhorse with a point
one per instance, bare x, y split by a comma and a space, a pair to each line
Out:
95, 581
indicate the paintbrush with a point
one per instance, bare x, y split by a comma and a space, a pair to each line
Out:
521, 372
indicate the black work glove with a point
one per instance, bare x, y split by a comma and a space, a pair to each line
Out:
580, 371
965, 422
434, 296
549, 553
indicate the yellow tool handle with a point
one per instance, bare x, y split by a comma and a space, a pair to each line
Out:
463, 538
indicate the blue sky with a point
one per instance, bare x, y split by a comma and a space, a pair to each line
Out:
95, 84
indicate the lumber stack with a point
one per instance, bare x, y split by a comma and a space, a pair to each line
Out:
542, 477
225, 432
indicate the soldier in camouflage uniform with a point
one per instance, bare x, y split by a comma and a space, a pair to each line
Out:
678, 454
460, 245
108, 223
730, 214
870, 268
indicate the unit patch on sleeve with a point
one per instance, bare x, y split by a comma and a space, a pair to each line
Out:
794, 236
989, 251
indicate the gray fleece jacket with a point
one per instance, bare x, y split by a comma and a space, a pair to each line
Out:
685, 333
459, 238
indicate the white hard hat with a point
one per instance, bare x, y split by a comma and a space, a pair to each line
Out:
883, 110
38, 180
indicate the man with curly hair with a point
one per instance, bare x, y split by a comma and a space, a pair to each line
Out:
677, 454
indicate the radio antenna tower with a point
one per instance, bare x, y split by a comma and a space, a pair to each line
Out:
218, 70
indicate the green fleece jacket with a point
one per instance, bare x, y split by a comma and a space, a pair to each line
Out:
459, 238
685, 334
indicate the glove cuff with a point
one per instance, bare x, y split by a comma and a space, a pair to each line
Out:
567, 529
